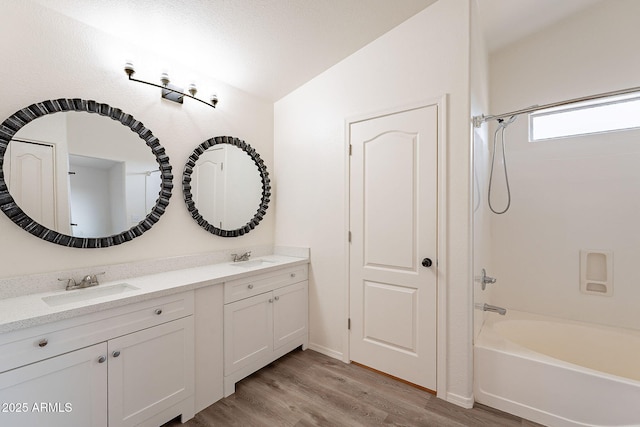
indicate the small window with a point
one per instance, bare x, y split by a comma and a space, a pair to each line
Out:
609, 114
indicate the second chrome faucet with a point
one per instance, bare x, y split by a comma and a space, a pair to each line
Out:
244, 257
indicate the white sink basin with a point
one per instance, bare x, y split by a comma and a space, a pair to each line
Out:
252, 263
87, 294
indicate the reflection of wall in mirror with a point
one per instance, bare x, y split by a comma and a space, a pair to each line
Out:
133, 190
92, 135
226, 187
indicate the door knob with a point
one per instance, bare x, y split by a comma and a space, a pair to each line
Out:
427, 262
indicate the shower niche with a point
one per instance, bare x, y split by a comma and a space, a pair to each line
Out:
596, 272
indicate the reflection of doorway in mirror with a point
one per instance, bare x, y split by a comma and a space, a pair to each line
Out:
98, 206
142, 185
243, 188
209, 185
31, 178
152, 181
226, 187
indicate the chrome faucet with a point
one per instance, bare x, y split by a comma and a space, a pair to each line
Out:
86, 282
485, 280
488, 307
244, 257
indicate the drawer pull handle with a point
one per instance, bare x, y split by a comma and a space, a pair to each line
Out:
43, 343
276, 298
102, 359
250, 286
158, 311
116, 353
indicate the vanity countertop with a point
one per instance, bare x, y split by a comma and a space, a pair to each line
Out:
31, 310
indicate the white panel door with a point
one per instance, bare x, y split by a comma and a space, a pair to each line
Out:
209, 188
32, 181
393, 221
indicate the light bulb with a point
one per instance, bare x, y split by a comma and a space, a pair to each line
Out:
164, 78
192, 89
129, 69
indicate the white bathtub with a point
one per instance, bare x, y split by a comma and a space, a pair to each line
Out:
558, 372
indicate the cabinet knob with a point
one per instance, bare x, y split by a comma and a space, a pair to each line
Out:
293, 274
158, 311
276, 298
102, 359
116, 353
43, 342
270, 299
250, 286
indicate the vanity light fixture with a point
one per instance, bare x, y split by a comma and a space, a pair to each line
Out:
169, 91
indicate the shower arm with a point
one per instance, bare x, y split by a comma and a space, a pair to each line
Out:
479, 120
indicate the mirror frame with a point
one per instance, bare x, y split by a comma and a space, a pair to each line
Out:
8, 205
264, 176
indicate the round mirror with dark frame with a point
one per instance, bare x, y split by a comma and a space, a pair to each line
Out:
70, 176
226, 186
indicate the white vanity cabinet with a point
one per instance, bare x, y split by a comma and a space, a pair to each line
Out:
126, 366
151, 372
66, 390
265, 317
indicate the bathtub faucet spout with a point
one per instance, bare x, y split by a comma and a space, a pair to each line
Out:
488, 307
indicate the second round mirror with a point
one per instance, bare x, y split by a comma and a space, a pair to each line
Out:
226, 186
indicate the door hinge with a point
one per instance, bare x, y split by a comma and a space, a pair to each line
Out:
349, 323
350, 149
349, 237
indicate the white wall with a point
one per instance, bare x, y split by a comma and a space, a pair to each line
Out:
49, 56
574, 193
424, 58
479, 92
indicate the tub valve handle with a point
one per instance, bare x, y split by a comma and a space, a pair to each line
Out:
484, 279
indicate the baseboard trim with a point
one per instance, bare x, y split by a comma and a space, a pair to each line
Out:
465, 402
325, 350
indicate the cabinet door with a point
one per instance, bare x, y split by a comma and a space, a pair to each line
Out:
290, 313
248, 331
149, 371
67, 390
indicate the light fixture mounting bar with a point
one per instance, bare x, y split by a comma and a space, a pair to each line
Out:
168, 89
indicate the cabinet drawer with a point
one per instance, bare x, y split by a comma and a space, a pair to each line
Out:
238, 289
30, 345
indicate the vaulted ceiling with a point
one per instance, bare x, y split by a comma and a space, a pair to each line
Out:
270, 47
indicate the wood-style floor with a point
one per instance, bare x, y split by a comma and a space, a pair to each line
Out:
306, 388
